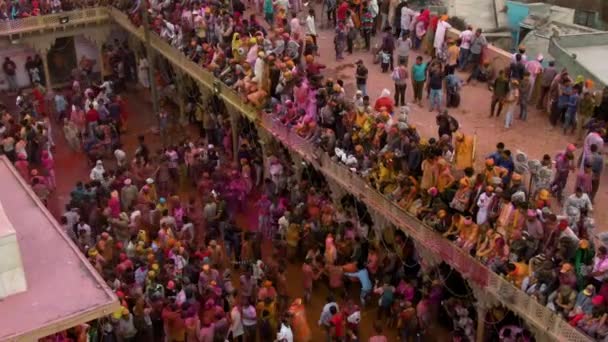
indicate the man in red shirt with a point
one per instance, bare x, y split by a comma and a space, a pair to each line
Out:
337, 324
92, 117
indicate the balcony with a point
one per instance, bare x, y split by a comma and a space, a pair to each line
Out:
546, 325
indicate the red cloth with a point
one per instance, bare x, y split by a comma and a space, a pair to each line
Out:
384, 102
337, 321
425, 16
434, 21
92, 115
41, 108
341, 11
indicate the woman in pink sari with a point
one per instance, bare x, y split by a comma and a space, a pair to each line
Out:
114, 204
246, 176
77, 117
49, 167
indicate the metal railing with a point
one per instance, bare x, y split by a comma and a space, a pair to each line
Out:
54, 21
547, 325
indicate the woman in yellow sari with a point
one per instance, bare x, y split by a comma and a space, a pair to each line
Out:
237, 44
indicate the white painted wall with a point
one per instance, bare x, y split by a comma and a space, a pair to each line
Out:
18, 53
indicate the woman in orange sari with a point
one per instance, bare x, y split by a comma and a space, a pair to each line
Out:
299, 324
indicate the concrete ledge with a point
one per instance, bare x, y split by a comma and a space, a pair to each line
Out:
498, 58
12, 276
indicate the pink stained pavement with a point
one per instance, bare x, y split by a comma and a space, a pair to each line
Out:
63, 289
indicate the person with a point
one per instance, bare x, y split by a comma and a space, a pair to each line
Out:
400, 76
403, 19
466, 37
311, 29
285, 333
500, 89
388, 45
236, 326
478, 43
299, 324
535, 69
547, 77
418, 79
587, 106
340, 40
453, 84
571, 110
511, 101
385, 60
453, 54
361, 76
524, 96
337, 328
435, 84
10, 71
440, 32
404, 45
249, 320
366, 284
596, 160
517, 68
326, 314
367, 25
269, 12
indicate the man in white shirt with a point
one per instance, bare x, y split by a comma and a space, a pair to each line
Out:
311, 29
466, 37
236, 325
406, 18
294, 25
121, 156
575, 203
285, 334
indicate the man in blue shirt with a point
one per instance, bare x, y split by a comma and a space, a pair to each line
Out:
571, 109
418, 79
496, 156
366, 283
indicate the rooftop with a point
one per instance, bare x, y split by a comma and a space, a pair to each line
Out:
63, 288
583, 54
593, 58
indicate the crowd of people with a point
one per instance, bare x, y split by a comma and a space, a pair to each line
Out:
170, 258
158, 242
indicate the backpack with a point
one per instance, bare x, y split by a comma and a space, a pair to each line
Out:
453, 123
396, 75
454, 102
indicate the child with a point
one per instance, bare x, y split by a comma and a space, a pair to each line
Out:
385, 59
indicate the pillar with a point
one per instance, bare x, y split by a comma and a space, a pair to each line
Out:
481, 323
484, 302
102, 70
234, 126
180, 89
42, 44
265, 141
47, 74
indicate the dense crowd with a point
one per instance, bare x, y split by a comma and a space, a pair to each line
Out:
157, 243
171, 259
503, 213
